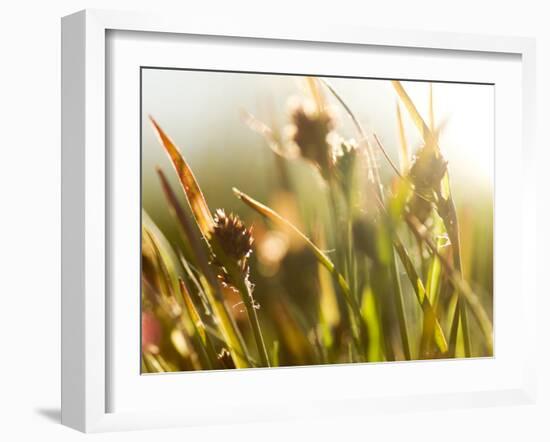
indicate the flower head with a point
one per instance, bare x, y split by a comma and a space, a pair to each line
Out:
235, 238
426, 174
235, 241
310, 130
345, 156
428, 169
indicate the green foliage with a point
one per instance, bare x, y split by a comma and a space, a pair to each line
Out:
376, 272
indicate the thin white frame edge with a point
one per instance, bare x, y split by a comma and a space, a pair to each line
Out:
83, 238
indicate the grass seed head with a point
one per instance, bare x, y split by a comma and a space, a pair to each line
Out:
428, 169
310, 132
234, 237
426, 173
235, 240
344, 157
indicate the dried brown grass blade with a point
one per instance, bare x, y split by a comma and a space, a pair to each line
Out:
194, 195
430, 319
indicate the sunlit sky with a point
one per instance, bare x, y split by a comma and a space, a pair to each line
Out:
202, 112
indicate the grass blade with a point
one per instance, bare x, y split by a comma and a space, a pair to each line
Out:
446, 206
403, 147
194, 195
363, 135
242, 284
316, 95
400, 307
461, 286
269, 136
430, 317
413, 112
198, 325
447, 209
205, 222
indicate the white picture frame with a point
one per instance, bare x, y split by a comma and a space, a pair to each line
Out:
86, 354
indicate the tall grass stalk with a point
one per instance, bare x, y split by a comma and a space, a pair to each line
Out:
398, 293
206, 224
445, 202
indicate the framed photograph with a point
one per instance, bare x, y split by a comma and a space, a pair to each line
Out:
264, 222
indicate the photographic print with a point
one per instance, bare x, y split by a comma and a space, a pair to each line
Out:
298, 220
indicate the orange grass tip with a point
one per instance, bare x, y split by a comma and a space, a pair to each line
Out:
153, 122
237, 192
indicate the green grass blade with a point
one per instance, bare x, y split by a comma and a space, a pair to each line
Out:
400, 307
429, 314
199, 328
461, 286
241, 283
447, 209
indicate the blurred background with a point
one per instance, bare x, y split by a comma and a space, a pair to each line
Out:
202, 112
